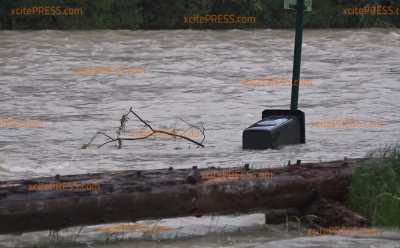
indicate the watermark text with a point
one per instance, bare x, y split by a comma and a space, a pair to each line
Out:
347, 123
190, 133
219, 19
229, 173
11, 122
46, 10
275, 81
91, 71
373, 10
341, 230
69, 186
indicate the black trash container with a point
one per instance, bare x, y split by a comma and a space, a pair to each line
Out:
277, 128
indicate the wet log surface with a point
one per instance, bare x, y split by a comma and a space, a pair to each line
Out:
153, 194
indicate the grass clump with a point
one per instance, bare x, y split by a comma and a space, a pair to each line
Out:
375, 187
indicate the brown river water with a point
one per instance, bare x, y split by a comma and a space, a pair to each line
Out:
51, 105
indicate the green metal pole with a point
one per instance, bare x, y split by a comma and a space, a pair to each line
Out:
297, 54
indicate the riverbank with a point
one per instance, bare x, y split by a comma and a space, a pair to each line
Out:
291, 232
181, 14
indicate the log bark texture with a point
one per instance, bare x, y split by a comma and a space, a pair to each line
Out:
153, 194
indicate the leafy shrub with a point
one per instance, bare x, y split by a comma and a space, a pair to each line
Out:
375, 188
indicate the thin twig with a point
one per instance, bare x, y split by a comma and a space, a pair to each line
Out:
202, 129
137, 116
117, 139
124, 119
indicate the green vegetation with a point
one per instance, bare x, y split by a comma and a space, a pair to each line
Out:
375, 189
169, 14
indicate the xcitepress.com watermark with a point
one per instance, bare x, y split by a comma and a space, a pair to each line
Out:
91, 71
229, 173
342, 230
348, 123
134, 228
219, 19
190, 133
373, 10
11, 122
68, 186
275, 81
46, 11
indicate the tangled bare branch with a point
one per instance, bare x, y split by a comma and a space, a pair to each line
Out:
122, 128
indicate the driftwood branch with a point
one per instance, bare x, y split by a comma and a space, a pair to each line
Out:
123, 123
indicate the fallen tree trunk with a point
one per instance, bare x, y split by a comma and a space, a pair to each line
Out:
135, 195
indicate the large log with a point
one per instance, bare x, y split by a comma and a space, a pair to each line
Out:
134, 195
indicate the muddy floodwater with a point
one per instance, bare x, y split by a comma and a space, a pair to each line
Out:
53, 100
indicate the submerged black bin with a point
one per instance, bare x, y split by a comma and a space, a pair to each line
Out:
277, 128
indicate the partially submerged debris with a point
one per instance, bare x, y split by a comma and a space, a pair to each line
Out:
200, 130
127, 196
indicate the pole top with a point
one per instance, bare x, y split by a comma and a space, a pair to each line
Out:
292, 4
